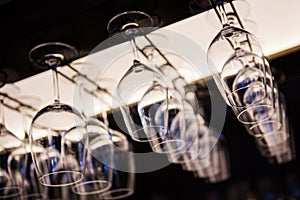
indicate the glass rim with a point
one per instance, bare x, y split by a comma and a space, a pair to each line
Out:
261, 123
255, 121
161, 150
44, 182
125, 192
231, 94
95, 191
134, 135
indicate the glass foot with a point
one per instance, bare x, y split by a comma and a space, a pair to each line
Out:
129, 19
42, 54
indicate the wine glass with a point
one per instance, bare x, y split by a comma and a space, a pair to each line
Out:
191, 164
157, 119
195, 131
273, 141
276, 120
20, 161
227, 60
184, 145
8, 143
123, 181
240, 72
251, 96
8, 187
63, 159
19, 164
98, 174
213, 164
139, 80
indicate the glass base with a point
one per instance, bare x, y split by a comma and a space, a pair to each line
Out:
129, 19
40, 55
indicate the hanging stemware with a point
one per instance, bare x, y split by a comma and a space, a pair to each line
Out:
8, 143
139, 81
240, 71
20, 161
191, 115
98, 174
123, 181
63, 159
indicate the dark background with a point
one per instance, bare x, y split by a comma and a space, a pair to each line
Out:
26, 23
80, 23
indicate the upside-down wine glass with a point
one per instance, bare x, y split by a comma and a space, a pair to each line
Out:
8, 143
98, 174
20, 165
20, 161
246, 76
140, 81
63, 159
213, 164
248, 83
254, 93
123, 182
169, 64
276, 142
239, 70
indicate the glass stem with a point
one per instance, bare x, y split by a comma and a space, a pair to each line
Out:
220, 9
134, 47
106, 123
55, 84
2, 121
222, 14
166, 113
